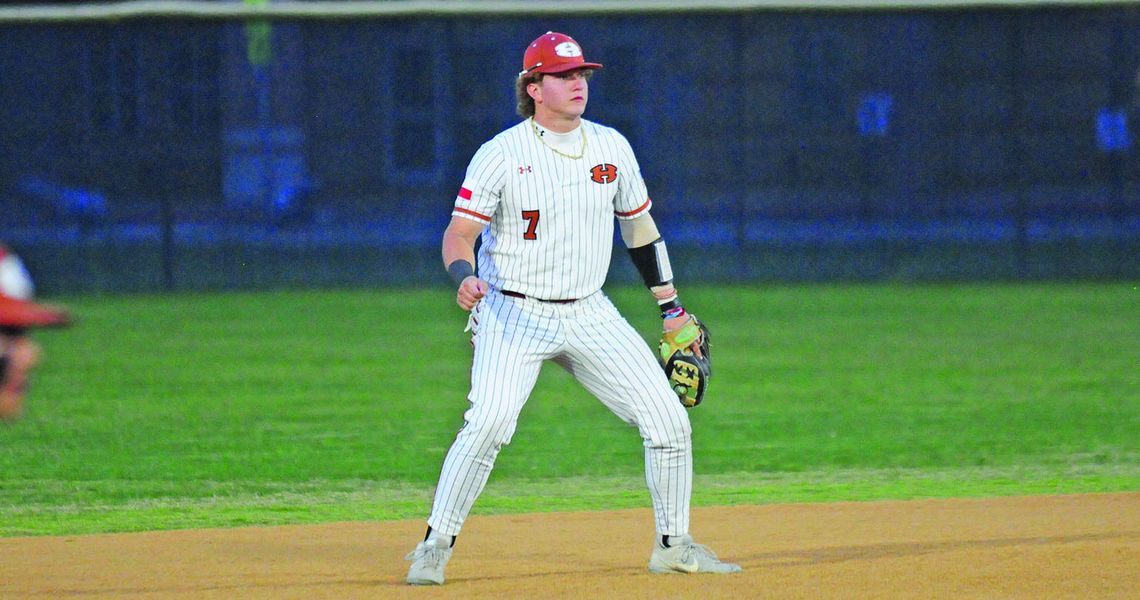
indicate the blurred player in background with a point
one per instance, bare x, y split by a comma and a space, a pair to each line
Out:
19, 313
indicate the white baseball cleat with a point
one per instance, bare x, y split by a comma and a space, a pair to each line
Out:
428, 560
684, 556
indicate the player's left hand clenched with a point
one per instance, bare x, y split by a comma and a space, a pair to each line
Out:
471, 290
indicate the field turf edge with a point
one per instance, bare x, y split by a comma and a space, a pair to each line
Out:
378, 501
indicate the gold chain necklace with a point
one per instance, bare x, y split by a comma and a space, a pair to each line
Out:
537, 134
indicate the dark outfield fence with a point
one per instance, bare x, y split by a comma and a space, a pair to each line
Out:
154, 153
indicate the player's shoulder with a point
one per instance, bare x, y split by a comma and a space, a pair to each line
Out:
606, 136
597, 129
500, 145
506, 142
511, 136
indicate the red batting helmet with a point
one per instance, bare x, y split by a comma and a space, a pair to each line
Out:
554, 53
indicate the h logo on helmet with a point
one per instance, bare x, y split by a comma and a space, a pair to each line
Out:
568, 50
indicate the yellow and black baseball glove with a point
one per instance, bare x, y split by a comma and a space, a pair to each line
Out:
688, 373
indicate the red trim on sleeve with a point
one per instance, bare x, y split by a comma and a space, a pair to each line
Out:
464, 193
634, 211
479, 216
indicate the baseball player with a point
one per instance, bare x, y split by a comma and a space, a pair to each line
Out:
543, 196
19, 353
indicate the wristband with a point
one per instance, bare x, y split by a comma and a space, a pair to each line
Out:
459, 270
666, 295
673, 313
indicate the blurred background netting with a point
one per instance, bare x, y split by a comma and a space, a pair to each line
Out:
176, 152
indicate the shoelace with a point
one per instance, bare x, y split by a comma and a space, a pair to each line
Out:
699, 549
432, 556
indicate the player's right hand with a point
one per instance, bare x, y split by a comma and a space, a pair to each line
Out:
470, 292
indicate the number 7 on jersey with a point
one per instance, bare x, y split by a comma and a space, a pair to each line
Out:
531, 218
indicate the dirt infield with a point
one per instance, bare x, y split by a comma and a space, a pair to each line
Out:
1085, 546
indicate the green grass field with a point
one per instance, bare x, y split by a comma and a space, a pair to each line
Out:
163, 412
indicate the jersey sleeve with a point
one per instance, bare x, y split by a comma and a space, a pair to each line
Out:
632, 199
482, 188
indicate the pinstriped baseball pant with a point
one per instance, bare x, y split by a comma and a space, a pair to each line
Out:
592, 341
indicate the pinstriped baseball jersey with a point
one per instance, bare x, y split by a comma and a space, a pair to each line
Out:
550, 217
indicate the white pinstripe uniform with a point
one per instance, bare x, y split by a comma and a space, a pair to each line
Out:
549, 236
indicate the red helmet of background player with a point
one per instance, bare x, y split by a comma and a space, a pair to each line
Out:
554, 52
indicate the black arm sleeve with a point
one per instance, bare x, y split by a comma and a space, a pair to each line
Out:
652, 261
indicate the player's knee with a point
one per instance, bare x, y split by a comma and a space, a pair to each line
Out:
23, 355
677, 437
489, 431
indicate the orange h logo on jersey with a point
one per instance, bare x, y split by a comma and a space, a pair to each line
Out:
603, 173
